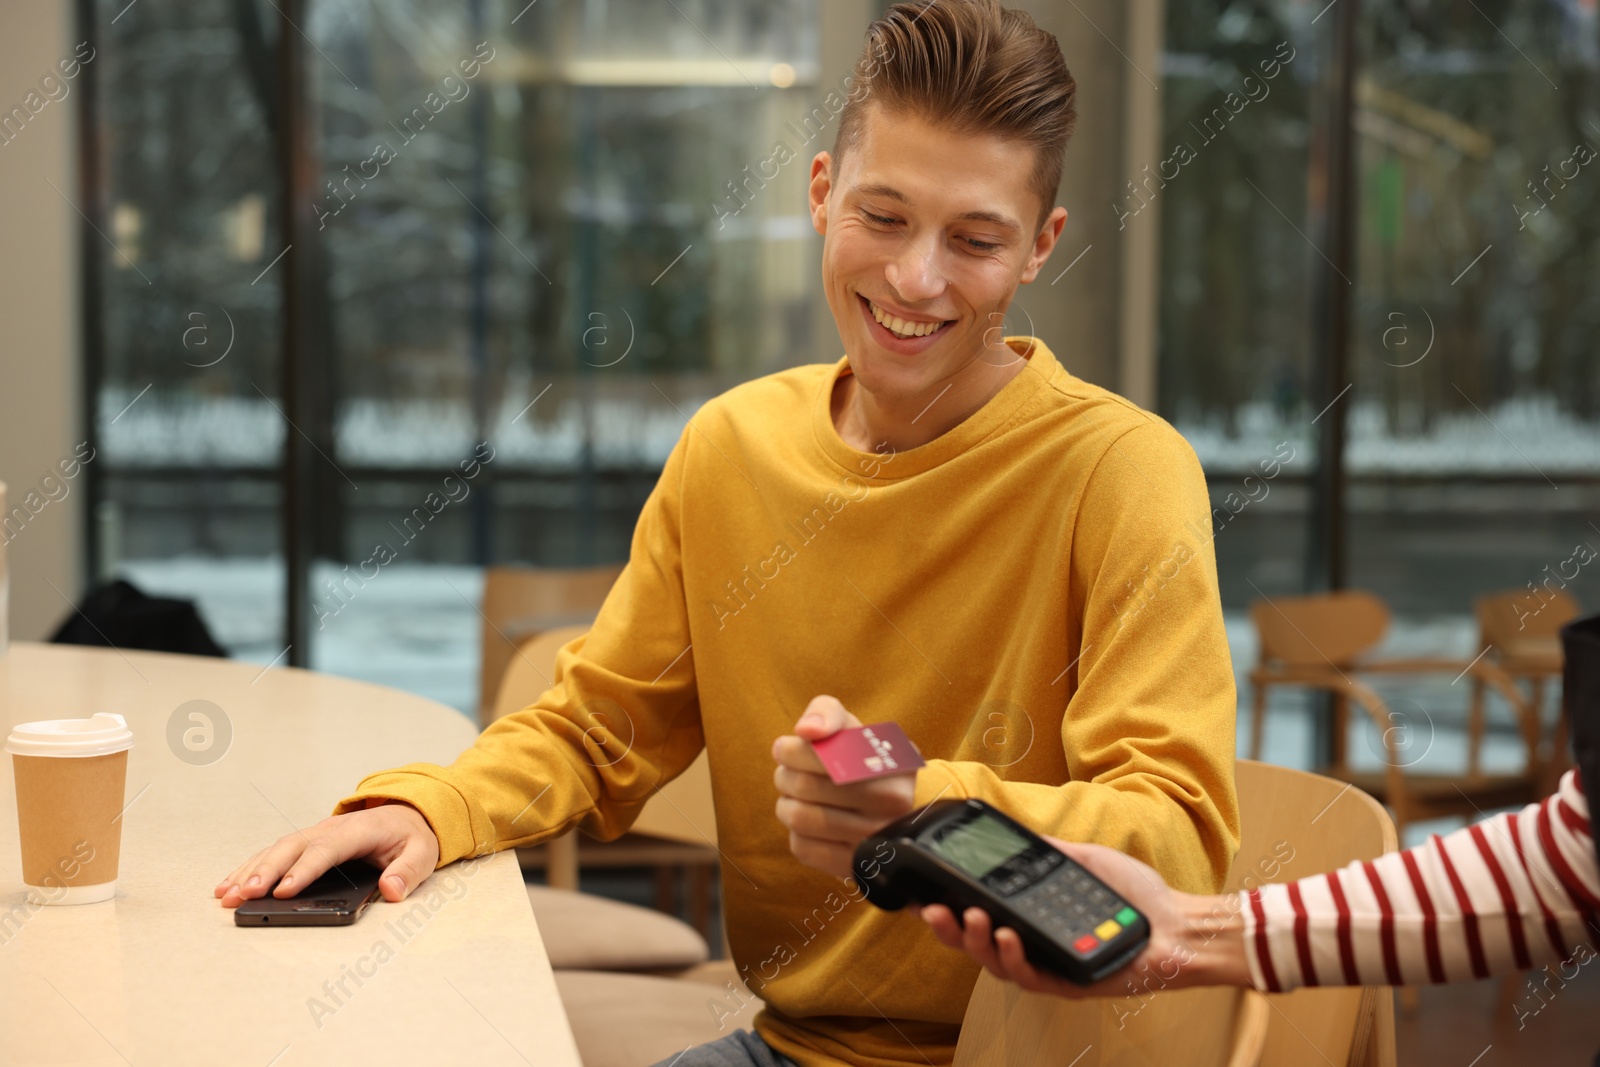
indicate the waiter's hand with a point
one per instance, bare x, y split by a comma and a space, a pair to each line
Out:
1194, 940
827, 821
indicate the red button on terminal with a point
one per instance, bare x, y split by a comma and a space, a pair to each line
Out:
1086, 944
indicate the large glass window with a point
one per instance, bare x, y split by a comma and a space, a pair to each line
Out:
188, 441
1237, 270
1475, 415
541, 236
1471, 397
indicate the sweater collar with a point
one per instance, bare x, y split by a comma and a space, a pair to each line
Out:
1042, 366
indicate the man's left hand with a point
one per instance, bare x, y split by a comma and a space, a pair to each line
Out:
827, 821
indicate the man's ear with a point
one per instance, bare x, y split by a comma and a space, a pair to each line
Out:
821, 186
1044, 244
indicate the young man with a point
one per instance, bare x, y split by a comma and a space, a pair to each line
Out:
944, 528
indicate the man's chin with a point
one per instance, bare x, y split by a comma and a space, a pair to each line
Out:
887, 374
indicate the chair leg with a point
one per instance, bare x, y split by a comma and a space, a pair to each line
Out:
1258, 718
1381, 1045
1475, 728
562, 858
1536, 699
1338, 756
1560, 743
667, 889
700, 899
1510, 990
1410, 999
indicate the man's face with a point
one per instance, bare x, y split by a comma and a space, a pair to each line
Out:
927, 233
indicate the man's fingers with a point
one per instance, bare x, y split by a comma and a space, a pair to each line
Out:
827, 856
317, 859
262, 875
824, 717
409, 869
807, 786
883, 797
797, 754
824, 823
237, 875
256, 878
394, 837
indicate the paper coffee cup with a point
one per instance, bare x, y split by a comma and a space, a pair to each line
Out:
70, 774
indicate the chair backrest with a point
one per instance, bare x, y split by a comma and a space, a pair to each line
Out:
1216, 1027
523, 602
1517, 614
531, 669
681, 811
1314, 631
1294, 824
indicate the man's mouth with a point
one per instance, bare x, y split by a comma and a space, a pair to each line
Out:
903, 329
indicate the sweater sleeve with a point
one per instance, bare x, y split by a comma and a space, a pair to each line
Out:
1513, 892
621, 716
1148, 730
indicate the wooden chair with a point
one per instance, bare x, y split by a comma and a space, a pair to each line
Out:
1294, 824
522, 602
1320, 642
676, 831
1521, 633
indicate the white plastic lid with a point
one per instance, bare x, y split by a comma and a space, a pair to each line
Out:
100, 735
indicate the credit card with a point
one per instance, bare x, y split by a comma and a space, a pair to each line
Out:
867, 752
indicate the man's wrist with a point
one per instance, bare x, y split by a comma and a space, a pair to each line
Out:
1213, 931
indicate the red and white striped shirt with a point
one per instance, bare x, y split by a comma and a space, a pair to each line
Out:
1513, 892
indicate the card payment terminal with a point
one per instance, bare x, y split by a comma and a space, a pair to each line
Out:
965, 853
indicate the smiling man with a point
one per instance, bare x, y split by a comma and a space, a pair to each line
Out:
944, 528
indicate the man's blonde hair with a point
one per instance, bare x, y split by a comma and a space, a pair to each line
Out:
969, 66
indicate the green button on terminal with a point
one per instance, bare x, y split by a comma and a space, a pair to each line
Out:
1126, 916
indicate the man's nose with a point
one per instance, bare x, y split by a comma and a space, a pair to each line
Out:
914, 273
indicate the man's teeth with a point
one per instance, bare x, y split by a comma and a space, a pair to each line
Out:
900, 327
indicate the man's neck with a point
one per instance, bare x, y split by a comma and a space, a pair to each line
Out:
868, 424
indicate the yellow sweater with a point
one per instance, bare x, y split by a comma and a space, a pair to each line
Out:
1032, 596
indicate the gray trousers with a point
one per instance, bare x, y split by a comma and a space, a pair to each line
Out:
742, 1048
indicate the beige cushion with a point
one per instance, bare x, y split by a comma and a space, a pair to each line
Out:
585, 932
631, 1020
714, 972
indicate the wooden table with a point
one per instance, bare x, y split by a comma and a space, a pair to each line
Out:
160, 975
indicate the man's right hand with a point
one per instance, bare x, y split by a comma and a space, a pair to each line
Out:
393, 837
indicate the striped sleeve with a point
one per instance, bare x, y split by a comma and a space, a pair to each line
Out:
1512, 892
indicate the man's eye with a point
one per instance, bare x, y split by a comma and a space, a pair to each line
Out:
981, 246
879, 219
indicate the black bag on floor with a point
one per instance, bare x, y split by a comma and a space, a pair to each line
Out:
118, 615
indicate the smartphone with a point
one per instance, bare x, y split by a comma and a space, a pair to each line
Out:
336, 899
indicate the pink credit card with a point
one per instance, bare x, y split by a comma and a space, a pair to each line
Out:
865, 752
